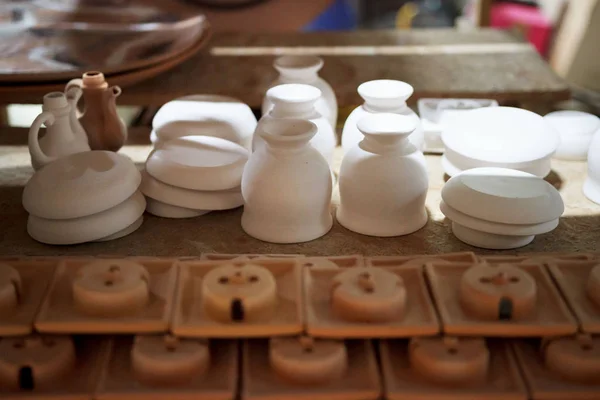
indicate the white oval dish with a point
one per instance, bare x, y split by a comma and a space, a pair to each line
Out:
80, 185
198, 163
124, 232
576, 130
165, 210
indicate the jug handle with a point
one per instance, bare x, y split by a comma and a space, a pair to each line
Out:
75, 83
34, 144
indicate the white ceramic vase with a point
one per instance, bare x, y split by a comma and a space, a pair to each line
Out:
286, 185
297, 101
305, 69
381, 96
576, 130
383, 179
591, 187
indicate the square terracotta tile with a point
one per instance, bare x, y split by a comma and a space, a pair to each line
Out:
219, 256
334, 262
35, 279
419, 317
503, 381
550, 316
219, 382
192, 320
571, 278
59, 314
260, 382
420, 260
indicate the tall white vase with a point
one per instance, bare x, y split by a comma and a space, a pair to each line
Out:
383, 179
286, 185
305, 69
297, 101
382, 96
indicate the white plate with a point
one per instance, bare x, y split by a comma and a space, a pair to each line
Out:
164, 210
576, 130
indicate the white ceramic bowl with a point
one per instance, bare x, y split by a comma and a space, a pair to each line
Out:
576, 130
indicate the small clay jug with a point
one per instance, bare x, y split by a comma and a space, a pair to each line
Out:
104, 128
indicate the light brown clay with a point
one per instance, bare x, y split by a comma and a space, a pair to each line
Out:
208, 375
359, 380
334, 262
62, 313
168, 361
578, 282
502, 380
329, 308
420, 260
265, 299
23, 285
536, 257
550, 316
218, 256
575, 358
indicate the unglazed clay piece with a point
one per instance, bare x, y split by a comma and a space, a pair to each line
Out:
239, 293
123, 232
492, 241
168, 361
382, 96
592, 285
111, 289
504, 137
576, 130
80, 185
500, 292
450, 360
90, 228
198, 163
192, 199
10, 289
591, 186
394, 203
308, 361
362, 294
165, 210
575, 358
35, 361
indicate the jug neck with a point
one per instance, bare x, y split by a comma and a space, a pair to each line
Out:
293, 110
385, 144
94, 80
385, 106
298, 69
56, 103
287, 135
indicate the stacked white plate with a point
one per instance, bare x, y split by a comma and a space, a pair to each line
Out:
576, 130
84, 197
498, 208
193, 175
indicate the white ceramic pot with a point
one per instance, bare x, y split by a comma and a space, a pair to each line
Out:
576, 130
297, 101
286, 185
381, 96
383, 180
591, 187
305, 69
204, 115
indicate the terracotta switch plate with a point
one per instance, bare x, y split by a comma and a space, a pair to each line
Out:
144, 302
359, 381
544, 313
219, 257
217, 382
239, 298
395, 261
502, 381
574, 279
332, 295
334, 262
29, 290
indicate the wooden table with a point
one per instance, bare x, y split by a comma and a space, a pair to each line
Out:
220, 232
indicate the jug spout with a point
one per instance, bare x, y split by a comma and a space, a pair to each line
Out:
115, 130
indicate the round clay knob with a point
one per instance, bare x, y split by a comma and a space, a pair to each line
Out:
308, 361
10, 289
239, 292
450, 361
166, 360
111, 288
368, 294
320, 264
575, 358
593, 285
500, 292
35, 361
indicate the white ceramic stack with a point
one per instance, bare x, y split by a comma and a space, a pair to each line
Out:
305, 69
84, 197
499, 208
591, 187
383, 179
193, 175
286, 185
297, 101
206, 115
503, 137
576, 130
381, 96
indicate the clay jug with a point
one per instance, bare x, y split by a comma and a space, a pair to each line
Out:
104, 128
60, 139
286, 185
73, 95
383, 180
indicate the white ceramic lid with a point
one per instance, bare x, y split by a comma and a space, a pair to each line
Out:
198, 163
570, 122
503, 135
503, 195
81, 184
